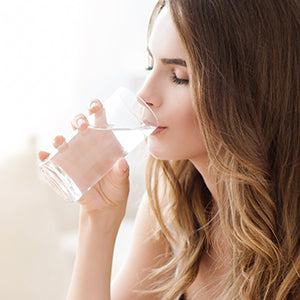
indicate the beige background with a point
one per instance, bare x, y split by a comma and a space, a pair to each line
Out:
55, 57
38, 232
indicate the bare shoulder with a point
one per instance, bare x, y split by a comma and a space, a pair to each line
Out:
148, 251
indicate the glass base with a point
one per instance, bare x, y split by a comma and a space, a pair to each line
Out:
60, 181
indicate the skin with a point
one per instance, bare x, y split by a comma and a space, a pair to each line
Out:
167, 91
180, 137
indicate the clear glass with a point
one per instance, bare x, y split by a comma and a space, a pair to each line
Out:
86, 156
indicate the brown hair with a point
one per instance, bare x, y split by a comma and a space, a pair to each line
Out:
243, 59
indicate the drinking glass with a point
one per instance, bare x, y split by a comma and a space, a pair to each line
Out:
79, 163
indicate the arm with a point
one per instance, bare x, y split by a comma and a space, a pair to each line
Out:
98, 228
102, 210
92, 271
147, 252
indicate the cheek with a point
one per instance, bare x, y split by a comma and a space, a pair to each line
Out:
183, 140
190, 137
186, 121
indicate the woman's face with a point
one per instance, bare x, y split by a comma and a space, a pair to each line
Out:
168, 92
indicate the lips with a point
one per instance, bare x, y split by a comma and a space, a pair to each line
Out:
158, 130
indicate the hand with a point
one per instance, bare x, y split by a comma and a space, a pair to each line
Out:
111, 192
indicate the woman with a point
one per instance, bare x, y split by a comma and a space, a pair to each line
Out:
222, 212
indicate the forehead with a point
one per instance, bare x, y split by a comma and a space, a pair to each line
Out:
164, 39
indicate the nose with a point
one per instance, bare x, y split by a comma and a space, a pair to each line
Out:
150, 92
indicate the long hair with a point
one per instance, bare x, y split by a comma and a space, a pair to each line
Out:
243, 59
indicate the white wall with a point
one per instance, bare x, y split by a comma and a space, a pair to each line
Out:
55, 56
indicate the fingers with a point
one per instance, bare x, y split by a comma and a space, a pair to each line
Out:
42, 155
95, 106
120, 172
97, 114
80, 122
58, 141
123, 166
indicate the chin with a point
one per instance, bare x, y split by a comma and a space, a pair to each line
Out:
163, 154
158, 154
160, 150
175, 152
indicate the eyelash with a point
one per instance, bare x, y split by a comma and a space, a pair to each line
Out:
179, 81
174, 78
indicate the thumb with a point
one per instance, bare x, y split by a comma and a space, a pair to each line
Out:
123, 166
120, 171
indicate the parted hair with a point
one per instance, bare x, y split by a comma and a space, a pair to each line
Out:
243, 59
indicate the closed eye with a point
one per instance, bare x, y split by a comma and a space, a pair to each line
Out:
179, 81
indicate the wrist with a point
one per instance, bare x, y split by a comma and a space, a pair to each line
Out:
108, 220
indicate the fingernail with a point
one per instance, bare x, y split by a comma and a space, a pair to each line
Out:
80, 122
124, 165
93, 104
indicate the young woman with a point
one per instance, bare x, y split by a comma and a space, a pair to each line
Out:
222, 212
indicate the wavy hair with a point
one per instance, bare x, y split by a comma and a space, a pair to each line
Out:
243, 59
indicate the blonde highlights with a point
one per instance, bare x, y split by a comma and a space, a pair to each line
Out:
244, 62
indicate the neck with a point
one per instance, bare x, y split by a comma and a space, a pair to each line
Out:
219, 246
202, 165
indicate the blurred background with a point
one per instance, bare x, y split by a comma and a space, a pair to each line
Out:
55, 57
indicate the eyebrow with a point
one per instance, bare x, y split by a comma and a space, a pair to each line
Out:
170, 61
